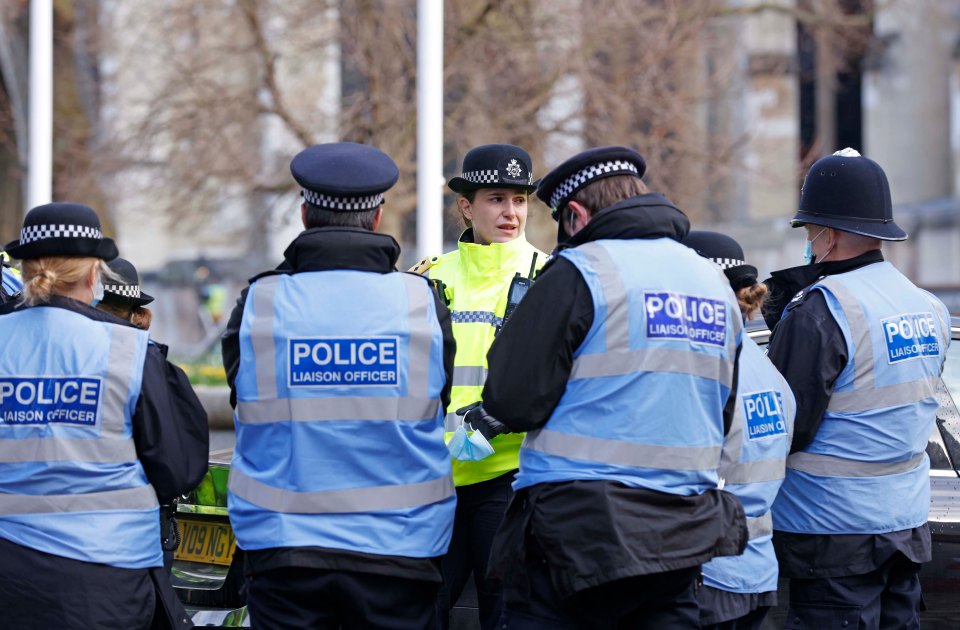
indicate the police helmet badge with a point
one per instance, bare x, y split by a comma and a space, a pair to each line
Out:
514, 169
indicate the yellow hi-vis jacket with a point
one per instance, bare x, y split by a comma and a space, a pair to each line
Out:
476, 280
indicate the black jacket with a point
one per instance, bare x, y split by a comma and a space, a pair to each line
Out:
808, 348
172, 441
327, 249
592, 532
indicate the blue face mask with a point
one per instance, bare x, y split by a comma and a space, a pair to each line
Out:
97, 293
471, 447
808, 257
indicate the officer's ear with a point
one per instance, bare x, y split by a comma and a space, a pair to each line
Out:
376, 218
578, 215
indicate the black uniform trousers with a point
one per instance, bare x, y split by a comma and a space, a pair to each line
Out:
885, 598
657, 601
480, 510
753, 620
293, 598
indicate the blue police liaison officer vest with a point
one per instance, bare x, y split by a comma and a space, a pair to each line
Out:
644, 402
70, 481
752, 467
866, 470
339, 423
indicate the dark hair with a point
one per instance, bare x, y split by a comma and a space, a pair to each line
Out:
605, 192
321, 217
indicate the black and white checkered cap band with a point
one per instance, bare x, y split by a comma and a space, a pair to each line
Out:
577, 181
126, 290
31, 233
487, 177
370, 202
728, 263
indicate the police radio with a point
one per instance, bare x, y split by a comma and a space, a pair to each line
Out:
518, 288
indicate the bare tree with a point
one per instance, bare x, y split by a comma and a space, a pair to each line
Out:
219, 94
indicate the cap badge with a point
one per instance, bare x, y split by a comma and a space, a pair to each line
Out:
514, 169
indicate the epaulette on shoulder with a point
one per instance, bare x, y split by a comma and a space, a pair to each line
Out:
799, 298
424, 265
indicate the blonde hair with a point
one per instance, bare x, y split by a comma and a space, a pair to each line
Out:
54, 275
751, 298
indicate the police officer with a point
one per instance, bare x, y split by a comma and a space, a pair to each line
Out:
340, 490
96, 430
621, 364
477, 278
123, 297
738, 591
863, 349
10, 283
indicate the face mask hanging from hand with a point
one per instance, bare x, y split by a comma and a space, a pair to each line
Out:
470, 447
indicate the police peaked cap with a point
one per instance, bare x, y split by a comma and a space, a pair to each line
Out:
563, 182
62, 229
125, 291
725, 252
848, 192
494, 166
344, 176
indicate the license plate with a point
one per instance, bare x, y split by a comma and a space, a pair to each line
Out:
205, 541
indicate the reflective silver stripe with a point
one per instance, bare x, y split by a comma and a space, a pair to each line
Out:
421, 335
476, 317
753, 472
58, 449
760, 526
139, 498
351, 500
261, 336
451, 421
617, 322
621, 453
124, 346
469, 375
863, 344
416, 406
888, 396
622, 362
336, 408
733, 443
829, 466
736, 321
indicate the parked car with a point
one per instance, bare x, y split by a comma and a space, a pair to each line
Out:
208, 567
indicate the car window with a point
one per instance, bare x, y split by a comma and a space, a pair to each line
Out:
948, 418
951, 370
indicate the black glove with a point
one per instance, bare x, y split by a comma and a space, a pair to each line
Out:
477, 419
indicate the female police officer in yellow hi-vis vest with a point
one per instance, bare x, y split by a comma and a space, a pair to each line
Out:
492, 265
